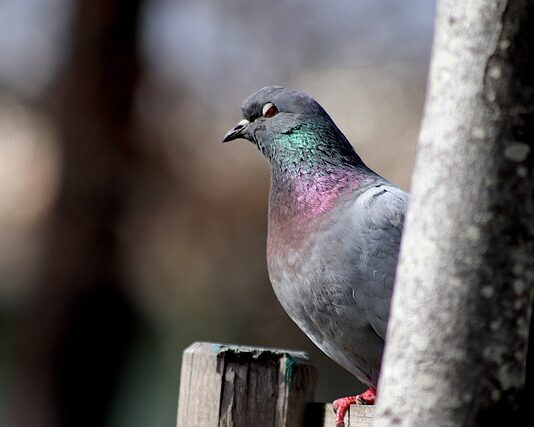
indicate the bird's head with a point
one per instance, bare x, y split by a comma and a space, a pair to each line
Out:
285, 123
273, 110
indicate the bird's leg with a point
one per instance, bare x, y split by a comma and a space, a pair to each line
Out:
341, 406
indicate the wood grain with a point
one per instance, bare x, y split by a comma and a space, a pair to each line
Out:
227, 385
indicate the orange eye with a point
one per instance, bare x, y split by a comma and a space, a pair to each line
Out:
269, 110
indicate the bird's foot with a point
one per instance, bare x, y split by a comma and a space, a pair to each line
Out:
341, 406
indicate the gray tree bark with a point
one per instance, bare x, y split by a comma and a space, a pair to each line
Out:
457, 341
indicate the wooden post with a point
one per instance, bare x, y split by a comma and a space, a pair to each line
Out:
238, 386
225, 385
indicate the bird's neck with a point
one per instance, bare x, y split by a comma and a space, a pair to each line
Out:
310, 149
311, 168
298, 202
305, 196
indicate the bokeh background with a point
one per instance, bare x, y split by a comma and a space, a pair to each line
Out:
127, 230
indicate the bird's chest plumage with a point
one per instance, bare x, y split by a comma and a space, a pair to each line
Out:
314, 267
305, 280
305, 246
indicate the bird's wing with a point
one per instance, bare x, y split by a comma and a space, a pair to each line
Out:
376, 218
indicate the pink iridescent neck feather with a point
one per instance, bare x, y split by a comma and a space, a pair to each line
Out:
312, 166
297, 202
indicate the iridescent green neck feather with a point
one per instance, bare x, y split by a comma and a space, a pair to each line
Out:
312, 166
317, 149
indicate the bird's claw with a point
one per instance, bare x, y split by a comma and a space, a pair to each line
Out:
341, 406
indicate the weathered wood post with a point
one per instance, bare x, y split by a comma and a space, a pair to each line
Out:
225, 385
239, 386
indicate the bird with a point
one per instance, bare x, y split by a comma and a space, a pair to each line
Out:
334, 232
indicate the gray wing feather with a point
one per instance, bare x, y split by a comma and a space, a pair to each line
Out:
377, 220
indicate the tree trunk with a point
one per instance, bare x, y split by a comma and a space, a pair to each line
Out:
457, 340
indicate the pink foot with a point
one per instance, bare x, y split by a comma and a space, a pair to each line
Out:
341, 406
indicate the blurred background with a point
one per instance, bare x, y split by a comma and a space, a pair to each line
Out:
127, 230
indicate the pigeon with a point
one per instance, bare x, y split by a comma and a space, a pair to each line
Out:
334, 230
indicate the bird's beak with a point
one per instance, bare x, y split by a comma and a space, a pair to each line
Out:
236, 132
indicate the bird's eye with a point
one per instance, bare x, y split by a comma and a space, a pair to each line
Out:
269, 110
